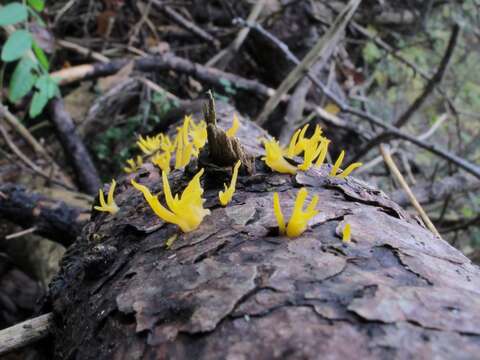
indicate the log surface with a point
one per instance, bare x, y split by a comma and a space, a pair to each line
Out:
234, 289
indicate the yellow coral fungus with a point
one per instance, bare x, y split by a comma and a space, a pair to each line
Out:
133, 164
299, 219
162, 160
274, 158
346, 233
109, 206
312, 150
186, 212
235, 125
149, 144
347, 171
324, 142
199, 134
185, 148
226, 196
166, 144
297, 142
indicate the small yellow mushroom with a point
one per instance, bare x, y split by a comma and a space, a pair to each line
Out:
275, 160
186, 211
347, 233
133, 164
347, 171
109, 206
299, 219
235, 125
226, 196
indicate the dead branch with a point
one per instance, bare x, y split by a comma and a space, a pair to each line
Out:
429, 87
25, 333
320, 52
439, 190
74, 148
401, 180
51, 218
186, 24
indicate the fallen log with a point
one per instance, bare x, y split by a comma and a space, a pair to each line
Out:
135, 287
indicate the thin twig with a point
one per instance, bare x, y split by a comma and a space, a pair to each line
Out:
322, 50
29, 162
401, 180
436, 79
13, 121
83, 50
227, 54
188, 25
25, 333
21, 233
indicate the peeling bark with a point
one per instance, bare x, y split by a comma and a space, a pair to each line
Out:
234, 289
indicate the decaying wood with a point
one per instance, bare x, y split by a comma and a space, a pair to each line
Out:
224, 150
51, 218
233, 288
25, 333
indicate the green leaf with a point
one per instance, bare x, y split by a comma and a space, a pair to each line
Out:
38, 5
40, 99
40, 54
47, 85
22, 79
12, 14
17, 45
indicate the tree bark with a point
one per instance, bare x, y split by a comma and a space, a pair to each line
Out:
235, 289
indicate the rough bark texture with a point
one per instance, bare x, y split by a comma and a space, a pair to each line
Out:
234, 289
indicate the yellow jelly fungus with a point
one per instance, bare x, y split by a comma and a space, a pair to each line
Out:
235, 125
162, 160
324, 142
299, 219
347, 171
186, 212
149, 144
347, 233
109, 206
199, 134
133, 164
275, 160
226, 196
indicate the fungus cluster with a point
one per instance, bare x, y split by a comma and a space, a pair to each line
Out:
186, 209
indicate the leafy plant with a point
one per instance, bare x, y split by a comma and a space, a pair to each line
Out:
31, 70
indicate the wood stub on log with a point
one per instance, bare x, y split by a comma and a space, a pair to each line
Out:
25, 333
223, 150
234, 288
51, 218
75, 150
